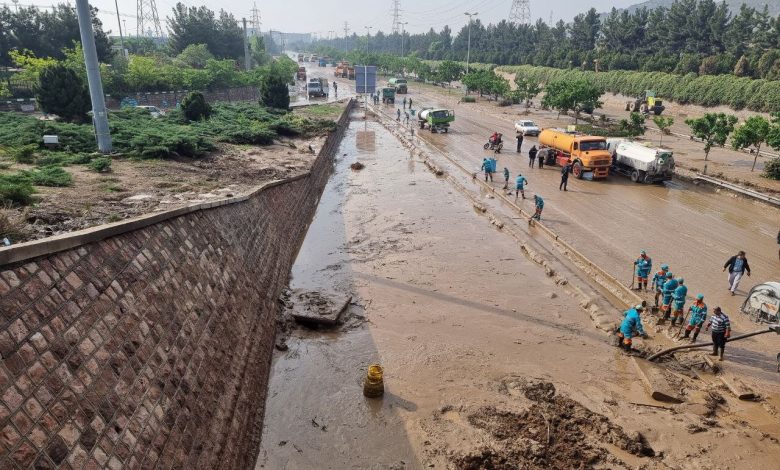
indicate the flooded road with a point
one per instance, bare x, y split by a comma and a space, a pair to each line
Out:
694, 230
462, 322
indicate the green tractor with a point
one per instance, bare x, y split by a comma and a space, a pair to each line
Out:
387, 94
646, 103
437, 120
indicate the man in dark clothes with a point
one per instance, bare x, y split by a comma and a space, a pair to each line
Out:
565, 170
532, 156
519, 142
540, 156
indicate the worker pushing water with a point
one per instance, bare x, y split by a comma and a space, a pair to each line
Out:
631, 327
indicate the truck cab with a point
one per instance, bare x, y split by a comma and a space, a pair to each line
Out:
400, 85
387, 94
588, 154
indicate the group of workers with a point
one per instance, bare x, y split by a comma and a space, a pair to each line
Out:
672, 293
489, 168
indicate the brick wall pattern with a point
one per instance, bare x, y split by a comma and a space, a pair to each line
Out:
152, 348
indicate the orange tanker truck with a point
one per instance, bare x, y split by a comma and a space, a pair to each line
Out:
588, 154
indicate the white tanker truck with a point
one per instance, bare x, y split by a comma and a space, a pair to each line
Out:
641, 163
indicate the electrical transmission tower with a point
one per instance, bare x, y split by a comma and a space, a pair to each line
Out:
346, 36
148, 19
520, 12
255, 22
396, 16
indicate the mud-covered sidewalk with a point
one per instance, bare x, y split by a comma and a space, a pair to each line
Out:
488, 362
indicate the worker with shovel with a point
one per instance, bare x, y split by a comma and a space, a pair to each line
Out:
698, 312
643, 266
679, 301
630, 327
539, 205
658, 281
721, 331
669, 286
520, 183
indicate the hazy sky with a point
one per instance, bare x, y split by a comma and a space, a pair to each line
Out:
330, 15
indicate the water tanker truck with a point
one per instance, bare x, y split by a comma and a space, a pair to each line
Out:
641, 163
437, 120
588, 154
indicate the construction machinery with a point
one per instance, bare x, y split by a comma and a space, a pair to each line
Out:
588, 154
437, 120
646, 103
342, 69
318, 87
301, 74
351, 73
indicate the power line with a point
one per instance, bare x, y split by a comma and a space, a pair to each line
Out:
520, 12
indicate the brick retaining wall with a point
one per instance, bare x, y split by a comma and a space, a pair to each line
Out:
150, 348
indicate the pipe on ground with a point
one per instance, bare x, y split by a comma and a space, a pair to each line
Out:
773, 328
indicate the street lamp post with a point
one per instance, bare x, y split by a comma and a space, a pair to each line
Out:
99, 111
468, 49
368, 37
403, 33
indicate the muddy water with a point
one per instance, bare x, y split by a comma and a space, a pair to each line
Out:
692, 229
454, 312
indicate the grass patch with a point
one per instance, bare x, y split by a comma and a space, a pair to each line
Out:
53, 176
468, 99
100, 164
12, 227
321, 111
15, 190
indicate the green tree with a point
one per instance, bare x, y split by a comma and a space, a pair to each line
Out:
753, 133
449, 71
273, 86
62, 91
195, 107
526, 90
633, 126
191, 25
195, 56
712, 129
572, 95
258, 51
664, 125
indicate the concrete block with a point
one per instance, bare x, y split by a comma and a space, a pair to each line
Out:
655, 380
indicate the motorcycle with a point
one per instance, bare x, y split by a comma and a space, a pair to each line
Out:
495, 145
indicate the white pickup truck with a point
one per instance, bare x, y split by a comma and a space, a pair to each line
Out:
641, 163
527, 127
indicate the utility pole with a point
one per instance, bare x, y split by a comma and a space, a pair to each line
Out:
368, 38
468, 50
124, 22
403, 32
247, 60
99, 111
346, 36
121, 36
148, 19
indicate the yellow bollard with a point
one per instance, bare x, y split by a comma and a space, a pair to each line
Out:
373, 386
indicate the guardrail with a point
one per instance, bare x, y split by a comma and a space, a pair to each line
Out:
739, 189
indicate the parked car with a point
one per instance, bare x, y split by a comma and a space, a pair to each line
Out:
153, 110
526, 127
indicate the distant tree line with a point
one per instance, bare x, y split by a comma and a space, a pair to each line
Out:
691, 36
46, 33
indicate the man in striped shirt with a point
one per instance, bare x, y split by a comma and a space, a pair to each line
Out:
721, 330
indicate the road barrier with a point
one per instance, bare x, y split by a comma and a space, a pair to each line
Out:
738, 189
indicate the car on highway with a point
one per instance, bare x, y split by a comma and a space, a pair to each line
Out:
527, 127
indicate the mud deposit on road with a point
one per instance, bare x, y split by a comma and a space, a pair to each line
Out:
555, 432
461, 318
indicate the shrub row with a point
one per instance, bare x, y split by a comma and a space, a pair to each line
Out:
705, 90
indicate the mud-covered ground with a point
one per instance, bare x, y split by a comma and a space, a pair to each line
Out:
488, 361
137, 187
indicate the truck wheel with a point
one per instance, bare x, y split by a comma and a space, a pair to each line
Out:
422, 124
577, 170
643, 108
446, 130
636, 176
657, 111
